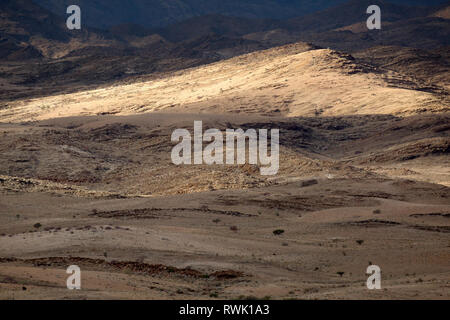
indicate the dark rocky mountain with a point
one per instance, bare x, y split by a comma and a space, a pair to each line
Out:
13, 50
215, 24
342, 27
160, 13
20, 22
354, 11
29, 31
22, 19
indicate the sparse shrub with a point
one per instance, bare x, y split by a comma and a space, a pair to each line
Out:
360, 242
170, 269
234, 228
278, 232
340, 273
318, 112
377, 211
216, 220
37, 225
310, 290
308, 183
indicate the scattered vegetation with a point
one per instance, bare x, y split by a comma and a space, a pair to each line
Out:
308, 183
278, 232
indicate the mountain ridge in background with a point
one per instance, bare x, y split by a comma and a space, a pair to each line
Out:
158, 13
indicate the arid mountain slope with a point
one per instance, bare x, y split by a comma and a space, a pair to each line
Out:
40, 57
291, 80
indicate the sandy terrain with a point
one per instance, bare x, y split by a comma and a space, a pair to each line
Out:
86, 179
325, 233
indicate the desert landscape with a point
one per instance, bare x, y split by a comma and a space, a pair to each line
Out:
86, 176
